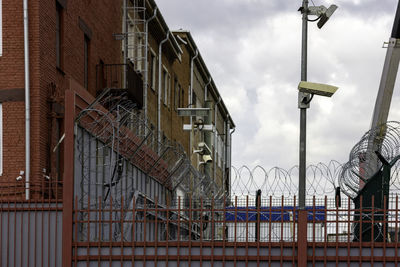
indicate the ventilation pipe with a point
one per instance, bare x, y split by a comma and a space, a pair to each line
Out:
159, 89
146, 64
27, 103
191, 99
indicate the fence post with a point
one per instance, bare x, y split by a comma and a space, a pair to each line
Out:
258, 206
302, 238
68, 179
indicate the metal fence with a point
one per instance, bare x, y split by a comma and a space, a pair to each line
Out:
30, 230
236, 220
238, 231
202, 232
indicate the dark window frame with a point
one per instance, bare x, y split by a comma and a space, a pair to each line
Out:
59, 35
86, 61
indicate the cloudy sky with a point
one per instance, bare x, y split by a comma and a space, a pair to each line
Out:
252, 49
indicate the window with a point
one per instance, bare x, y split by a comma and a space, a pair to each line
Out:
167, 82
1, 138
177, 95
182, 103
59, 30
153, 66
86, 51
194, 100
1, 30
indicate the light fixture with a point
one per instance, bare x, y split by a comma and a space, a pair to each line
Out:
322, 12
317, 88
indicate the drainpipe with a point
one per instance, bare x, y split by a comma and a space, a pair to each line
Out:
190, 100
146, 64
230, 154
224, 158
215, 137
159, 89
27, 103
227, 147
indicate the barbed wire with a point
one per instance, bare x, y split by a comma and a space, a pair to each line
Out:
363, 159
323, 179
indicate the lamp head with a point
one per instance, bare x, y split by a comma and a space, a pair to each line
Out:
317, 88
326, 15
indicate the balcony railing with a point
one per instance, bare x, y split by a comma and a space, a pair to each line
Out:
111, 76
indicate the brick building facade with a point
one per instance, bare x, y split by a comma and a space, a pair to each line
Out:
72, 44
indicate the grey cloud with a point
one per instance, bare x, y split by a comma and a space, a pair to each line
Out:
252, 48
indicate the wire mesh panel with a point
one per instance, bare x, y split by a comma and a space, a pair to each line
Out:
117, 161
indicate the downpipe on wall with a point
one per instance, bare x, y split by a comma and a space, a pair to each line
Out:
27, 101
160, 90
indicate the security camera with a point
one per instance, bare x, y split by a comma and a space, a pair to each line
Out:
19, 178
207, 159
326, 15
323, 13
317, 88
203, 149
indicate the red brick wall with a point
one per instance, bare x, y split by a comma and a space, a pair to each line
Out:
102, 17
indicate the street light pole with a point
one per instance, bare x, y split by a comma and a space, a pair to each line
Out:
303, 110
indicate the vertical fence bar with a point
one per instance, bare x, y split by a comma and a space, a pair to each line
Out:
48, 223
68, 182
360, 232
121, 222
224, 229
75, 230
21, 231
294, 231
15, 230
179, 230
385, 227
100, 233
337, 233
168, 212
270, 232
212, 230
302, 239
145, 228
190, 230
348, 230
133, 244
396, 231
235, 231
281, 231
156, 230
110, 223
313, 231
372, 225
1, 226
88, 232
56, 225
201, 230
35, 234
258, 227
247, 229
42, 220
